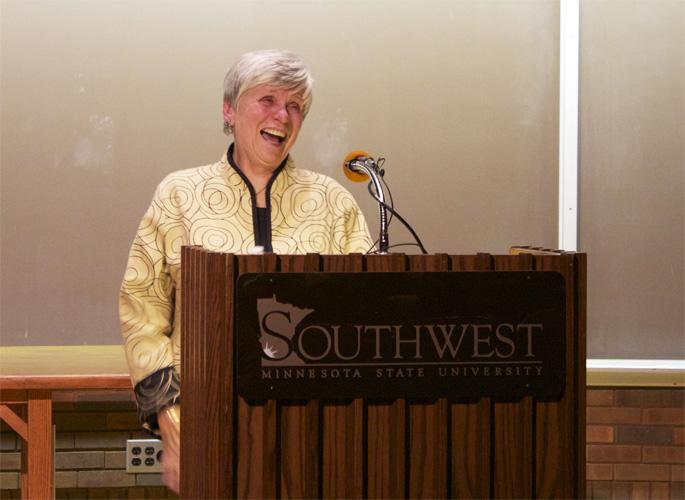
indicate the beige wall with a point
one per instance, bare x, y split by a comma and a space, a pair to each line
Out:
632, 171
101, 99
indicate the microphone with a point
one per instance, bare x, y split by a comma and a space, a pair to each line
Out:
359, 166
352, 165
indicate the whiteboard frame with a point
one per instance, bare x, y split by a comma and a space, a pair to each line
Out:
569, 48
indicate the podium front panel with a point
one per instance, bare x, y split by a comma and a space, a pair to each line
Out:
333, 447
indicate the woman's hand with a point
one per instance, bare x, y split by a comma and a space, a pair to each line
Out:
170, 429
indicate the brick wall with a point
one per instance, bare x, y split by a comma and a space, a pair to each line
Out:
90, 458
635, 446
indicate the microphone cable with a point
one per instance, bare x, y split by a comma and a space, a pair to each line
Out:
393, 213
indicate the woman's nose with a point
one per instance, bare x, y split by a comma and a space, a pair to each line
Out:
281, 113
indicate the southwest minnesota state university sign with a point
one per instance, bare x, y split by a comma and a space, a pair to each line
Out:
400, 335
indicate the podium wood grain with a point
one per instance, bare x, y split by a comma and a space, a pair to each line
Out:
428, 421
556, 455
513, 453
386, 425
299, 423
257, 422
470, 450
343, 423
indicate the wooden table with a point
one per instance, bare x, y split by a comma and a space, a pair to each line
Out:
29, 376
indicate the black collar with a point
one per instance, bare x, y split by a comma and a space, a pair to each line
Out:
261, 227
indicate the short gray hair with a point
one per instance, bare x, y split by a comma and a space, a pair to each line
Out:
279, 68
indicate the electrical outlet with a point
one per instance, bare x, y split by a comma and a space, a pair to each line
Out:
143, 456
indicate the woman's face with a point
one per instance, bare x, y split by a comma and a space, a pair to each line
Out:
265, 125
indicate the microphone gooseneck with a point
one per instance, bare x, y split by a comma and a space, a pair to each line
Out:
358, 167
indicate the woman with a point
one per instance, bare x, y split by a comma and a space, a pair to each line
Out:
253, 197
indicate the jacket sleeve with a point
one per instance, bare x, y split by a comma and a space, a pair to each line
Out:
146, 308
351, 233
357, 237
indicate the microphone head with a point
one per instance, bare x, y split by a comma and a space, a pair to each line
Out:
354, 175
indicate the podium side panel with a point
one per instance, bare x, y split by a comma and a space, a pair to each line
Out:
386, 421
555, 422
257, 461
513, 446
342, 434
220, 369
428, 422
229, 402
217, 388
300, 422
580, 370
470, 456
193, 375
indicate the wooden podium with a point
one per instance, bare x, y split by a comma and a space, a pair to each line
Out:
358, 448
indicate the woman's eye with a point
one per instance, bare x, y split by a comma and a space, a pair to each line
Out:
267, 99
294, 106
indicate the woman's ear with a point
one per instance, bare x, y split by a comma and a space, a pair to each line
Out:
229, 113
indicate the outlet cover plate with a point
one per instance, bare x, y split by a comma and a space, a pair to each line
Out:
143, 456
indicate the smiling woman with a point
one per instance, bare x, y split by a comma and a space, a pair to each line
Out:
254, 196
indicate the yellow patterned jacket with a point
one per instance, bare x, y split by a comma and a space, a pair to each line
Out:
213, 206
